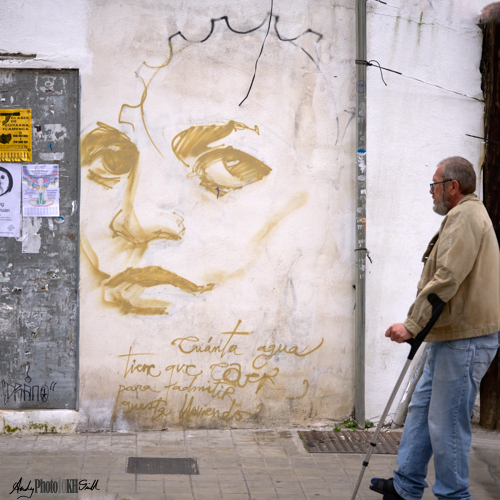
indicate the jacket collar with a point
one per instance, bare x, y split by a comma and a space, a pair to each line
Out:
467, 198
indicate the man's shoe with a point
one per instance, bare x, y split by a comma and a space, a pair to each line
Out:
386, 487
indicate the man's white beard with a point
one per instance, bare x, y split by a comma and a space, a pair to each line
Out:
442, 207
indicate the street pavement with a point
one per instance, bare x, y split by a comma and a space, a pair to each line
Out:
233, 465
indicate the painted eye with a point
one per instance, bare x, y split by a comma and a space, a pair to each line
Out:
194, 141
115, 153
220, 169
119, 159
228, 169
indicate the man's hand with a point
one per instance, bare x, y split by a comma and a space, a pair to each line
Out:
398, 333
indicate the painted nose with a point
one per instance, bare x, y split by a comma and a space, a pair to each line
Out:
140, 219
126, 225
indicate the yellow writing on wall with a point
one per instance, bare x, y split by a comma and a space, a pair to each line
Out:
15, 135
220, 390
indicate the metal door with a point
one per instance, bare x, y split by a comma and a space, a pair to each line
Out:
39, 270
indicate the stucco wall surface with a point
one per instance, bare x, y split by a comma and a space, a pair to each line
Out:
216, 271
217, 196
411, 127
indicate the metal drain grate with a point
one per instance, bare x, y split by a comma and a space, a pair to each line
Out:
151, 465
350, 442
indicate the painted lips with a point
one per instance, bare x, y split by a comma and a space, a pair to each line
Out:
153, 276
125, 289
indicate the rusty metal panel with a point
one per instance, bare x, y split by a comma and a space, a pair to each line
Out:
350, 442
153, 465
39, 270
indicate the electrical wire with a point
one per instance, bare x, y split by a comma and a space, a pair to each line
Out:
385, 3
483, 139
260, 53
375, 63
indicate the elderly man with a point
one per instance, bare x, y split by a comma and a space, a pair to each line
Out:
461, 266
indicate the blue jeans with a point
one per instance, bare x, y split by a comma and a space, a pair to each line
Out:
438, 420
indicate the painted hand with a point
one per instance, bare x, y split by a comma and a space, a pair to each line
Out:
398, 333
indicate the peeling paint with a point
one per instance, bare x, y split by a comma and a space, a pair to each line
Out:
30, 237
51, 156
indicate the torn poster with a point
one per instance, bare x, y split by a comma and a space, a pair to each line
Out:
41, 190
10, 200
15, 135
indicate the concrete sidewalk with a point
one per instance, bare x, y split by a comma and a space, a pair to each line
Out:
233, 465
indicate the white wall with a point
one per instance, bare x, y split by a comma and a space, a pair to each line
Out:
275, 250
279, 251
411, 128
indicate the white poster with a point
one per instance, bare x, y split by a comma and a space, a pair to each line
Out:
10, 200
40, 190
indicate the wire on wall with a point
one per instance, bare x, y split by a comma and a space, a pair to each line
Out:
483, 139
260, 53
375, 63
385, 3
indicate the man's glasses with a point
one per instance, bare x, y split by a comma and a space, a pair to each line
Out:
441, 182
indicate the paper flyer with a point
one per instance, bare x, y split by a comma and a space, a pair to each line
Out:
15, 135
40, 190
10, 200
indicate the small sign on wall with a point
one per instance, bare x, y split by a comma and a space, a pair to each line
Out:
40, 190
10, 200
15, 135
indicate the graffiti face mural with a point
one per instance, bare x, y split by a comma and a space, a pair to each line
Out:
194, 195
212, 197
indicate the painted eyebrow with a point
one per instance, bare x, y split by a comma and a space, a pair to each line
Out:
196, 140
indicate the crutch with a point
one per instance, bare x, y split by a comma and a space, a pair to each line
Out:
437, 309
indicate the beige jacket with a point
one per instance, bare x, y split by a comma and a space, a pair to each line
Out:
461, 266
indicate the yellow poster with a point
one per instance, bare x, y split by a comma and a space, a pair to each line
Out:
15, 135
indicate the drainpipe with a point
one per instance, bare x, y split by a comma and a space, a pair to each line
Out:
360, 247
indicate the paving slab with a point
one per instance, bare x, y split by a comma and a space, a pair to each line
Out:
244, 464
